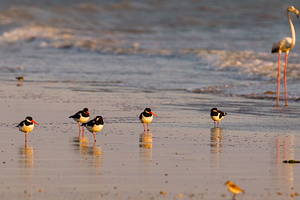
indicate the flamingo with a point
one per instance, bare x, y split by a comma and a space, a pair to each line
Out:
285, 45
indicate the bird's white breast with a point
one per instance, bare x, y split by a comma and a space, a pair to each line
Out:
25, 128
146, 120
95, 128
82, 119
217, 118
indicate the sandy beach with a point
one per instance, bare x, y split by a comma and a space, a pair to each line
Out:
182, 157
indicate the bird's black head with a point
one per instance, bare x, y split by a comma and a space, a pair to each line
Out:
147, 110
85, 110
214, 109
98, 118
28, 118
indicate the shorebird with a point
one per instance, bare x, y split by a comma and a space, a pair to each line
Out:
94, 125
81, 117
217, 115
26, 126
20, 78
146, 117
285, 45
233, 188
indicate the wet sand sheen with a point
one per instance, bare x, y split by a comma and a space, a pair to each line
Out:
187, 156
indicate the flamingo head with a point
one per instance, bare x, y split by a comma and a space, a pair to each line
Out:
293, 9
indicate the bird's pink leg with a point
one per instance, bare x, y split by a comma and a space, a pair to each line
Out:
286, 57
26, 139
94, 136
148, 127
82, 132
278, 77
214, 123
144, 127
218, 124
79, 129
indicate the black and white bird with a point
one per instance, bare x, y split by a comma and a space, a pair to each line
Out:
146, 117
81, 117
94, 125
217, 115
26, 126
20, 78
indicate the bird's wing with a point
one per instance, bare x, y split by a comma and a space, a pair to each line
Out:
91, 123
141, 116
21, 123
77, 115
235, 187
282, 45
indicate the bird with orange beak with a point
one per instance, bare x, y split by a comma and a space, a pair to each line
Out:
27, 126
146, 117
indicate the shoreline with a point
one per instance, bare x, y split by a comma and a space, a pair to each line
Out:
187, 155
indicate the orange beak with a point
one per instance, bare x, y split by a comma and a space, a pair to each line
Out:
34, 122
153, 114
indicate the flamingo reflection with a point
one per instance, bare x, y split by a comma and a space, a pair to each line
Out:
284, 151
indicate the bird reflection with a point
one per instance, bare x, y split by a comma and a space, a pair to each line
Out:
91, 155
97, 151
146, 140
27, 160
83, 146
216, 139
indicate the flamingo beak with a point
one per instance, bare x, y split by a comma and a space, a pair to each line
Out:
153, 114
34, 122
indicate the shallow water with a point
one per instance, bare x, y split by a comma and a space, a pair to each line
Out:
208, 47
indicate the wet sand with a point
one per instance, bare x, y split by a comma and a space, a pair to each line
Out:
182, 157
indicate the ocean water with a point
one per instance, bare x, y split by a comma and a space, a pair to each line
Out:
208, 47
